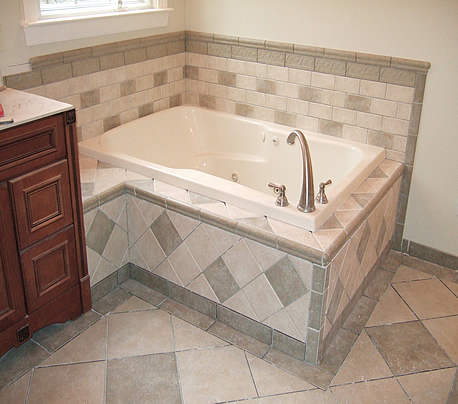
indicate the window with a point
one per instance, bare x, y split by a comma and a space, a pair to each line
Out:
48, 21
68, 8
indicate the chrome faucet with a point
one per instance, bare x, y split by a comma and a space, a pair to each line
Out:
306, 202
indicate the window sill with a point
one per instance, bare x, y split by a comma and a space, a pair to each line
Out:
66, 29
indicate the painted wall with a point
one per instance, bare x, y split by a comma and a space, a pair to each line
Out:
15, 56
421, 29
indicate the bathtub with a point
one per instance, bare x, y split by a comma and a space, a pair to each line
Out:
232, 159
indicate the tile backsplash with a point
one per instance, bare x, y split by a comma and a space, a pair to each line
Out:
366, 98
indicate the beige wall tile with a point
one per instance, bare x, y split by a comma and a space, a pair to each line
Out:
320, 111
322, 80
373, 89
333, 98
299, 77
253, 97
369, 121
404, 111
275, 102
297, 106
344, 116
383, 107
277, 73
396, 126
354, 133
347, 85
399, 93
308, 123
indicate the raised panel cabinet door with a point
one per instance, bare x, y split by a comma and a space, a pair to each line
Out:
12, 303
43, 203
49, 268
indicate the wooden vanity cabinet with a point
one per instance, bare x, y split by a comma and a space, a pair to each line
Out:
43, 268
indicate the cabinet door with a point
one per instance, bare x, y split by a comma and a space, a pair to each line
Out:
49, 268
12, 305
43, 202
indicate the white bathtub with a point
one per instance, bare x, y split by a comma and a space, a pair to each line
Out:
202, 150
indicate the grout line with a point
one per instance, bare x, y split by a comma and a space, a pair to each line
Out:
106, 361
176, 356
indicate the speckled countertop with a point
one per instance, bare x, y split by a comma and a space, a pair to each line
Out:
24, 107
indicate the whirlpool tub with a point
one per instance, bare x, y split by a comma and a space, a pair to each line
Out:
233, 158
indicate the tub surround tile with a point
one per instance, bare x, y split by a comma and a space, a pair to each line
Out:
189, 241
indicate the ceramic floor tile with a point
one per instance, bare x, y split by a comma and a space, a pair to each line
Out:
134, 304
143, 379
363, 363
445, 331
18, 361
54, 336
110, 301
79, 383
405, 274
452, 286
271, 380
90, 345
428, 387
16, 393
214, 375
139, 333
391, 309
306, 397
375, 391
429, 298
188, 336
408, 347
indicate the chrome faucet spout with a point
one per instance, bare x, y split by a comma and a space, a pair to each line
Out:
306, 201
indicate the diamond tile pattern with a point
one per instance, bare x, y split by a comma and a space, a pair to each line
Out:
245, 275
107, 238
233, 270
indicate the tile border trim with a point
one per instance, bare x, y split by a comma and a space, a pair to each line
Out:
311, 254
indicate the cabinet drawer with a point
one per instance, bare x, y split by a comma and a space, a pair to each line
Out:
42, 202
49, 268
38, 143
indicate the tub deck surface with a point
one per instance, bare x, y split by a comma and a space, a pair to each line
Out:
100, 181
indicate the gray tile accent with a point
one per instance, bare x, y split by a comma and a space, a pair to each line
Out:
99, 232
18, 361
150, 378
221, 280
192, 300
166, 233
244, 341
286, 282
289, 345
244, 324
54, 336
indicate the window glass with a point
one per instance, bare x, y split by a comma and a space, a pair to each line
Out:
61, 8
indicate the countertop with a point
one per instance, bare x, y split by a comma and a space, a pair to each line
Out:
25, 107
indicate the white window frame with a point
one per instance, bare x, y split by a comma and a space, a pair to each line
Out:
39, 30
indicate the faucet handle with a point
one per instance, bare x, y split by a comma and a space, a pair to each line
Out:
321, 196
280, 191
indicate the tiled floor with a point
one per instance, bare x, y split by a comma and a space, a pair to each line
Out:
128, 350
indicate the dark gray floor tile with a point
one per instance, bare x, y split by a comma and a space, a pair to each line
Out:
143, 292
357, 319
143, 379
18, 361
453, 395
54, 336
408, 347
303, 370
239, 339
392, 261
379, 284
337, 351
185, 313
111, 301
